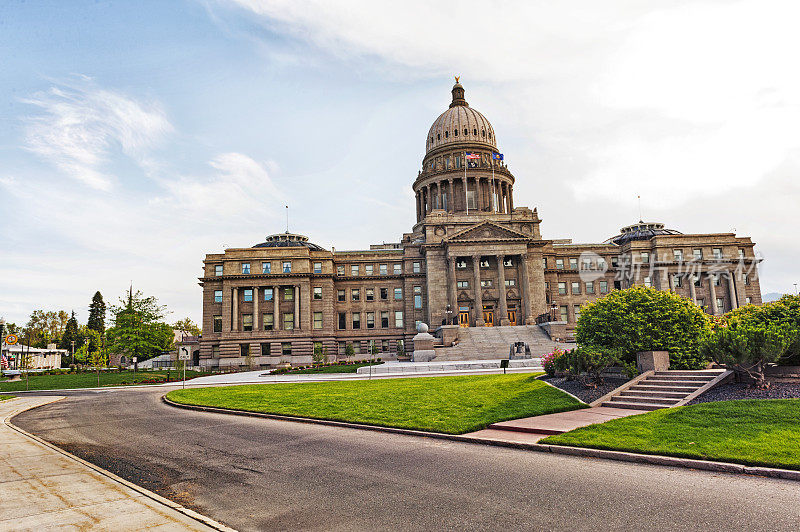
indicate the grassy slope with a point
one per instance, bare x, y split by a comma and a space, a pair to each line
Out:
89, 380
340, 368
6, 397
453, 405
755, 432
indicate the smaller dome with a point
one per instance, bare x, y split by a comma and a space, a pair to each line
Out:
288, 240
640, 231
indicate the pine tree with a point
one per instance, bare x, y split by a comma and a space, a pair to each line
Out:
97, 313
71, 334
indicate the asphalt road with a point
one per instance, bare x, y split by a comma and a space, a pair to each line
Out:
258, 474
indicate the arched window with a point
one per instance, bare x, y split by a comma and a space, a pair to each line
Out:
483, 132
490, 135
455, 132
431, 140
438, 136
475, 132
466, 132
446, 134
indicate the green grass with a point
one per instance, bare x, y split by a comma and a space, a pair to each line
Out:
453, 405
6, 397
752, 432
334, 368
89, 380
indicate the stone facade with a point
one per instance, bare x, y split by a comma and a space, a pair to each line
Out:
472, 259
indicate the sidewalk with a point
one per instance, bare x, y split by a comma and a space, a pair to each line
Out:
44, 488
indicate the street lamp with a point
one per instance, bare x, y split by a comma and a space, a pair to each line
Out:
449, 312
553, 309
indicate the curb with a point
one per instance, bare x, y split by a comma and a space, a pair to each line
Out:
623, 456
147, 493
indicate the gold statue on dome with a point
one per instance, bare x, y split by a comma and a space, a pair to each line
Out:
457, 78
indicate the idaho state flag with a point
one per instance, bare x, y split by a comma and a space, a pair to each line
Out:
497, 156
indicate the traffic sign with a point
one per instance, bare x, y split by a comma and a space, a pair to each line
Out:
11, 339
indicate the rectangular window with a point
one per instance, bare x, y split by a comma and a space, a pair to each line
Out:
398, 318
384, 319
576, 310
615, 261
342, 347
384, 293
317, 292
357, 348
676, 281
746, 278
471, 200
340, 296
486, 283
511, 282
590, 287
248, 295
562, 288
354, 269
747, 301
247, 322
268, 294
720, 304
343, 320
287, 267
288, 293
648, 282
265, 349
398, 294
741, 253
245, 267
370, 320
416, 267
716, 278
369, 294
461, 264
544, 262
576, 288
603, 287
217, 296
508, 262
462, 284
340, 270
384, 346
288, 321
717, 253
266, 267
398, 269
318, 347
217, 323
269, 321
573, 264
355, 294
697, 254
244, 350
368, 269
697, 282
559, 264
645, 257
218, 270
701, 302
318, 320
564, 312
215, 351
484, 263
356, 320
417, 301
586, 264
286, 349
383, 269
602, 264
317, 267
677, 254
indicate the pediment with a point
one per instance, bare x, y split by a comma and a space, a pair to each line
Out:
487, 232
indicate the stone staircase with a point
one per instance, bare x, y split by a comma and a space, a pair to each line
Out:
662, 389
483, 343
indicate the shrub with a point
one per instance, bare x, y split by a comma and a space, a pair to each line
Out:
645, 319
785, 312
549, 363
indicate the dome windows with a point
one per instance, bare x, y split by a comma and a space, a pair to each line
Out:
490, 135
483, 132
438, 136
466, 132
446, 134
475, 132
455, 132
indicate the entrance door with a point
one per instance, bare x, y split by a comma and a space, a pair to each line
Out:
488, 316
512, 317
463, 316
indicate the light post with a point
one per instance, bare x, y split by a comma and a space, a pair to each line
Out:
72, 357
553, 309
449, 312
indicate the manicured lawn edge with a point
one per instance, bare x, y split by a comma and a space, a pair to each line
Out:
6, 397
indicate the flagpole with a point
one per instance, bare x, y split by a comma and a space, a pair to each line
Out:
494, 207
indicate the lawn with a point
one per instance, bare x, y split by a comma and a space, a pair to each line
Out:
453, 405
6, 397
753, 432
89, 380
333, 368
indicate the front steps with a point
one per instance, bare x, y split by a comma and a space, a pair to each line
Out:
482, 343
662, 389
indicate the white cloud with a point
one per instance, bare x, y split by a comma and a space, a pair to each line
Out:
79, 127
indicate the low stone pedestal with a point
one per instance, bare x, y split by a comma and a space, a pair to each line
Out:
449, 334
556, 330
652, 361
423, 345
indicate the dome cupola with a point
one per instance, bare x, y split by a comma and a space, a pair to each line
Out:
461, 124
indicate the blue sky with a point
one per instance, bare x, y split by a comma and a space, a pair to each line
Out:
139, 136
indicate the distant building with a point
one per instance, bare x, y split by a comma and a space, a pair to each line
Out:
473, 258
40, 358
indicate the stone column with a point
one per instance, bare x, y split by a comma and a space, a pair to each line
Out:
418, 210
255, 309
235, 317
451, 284
671, 282
523, 264
276, 310
732, 290
297, 306
451, 196
692, 290
712, 292
479, 194
501, 279
511, 198
492, 204
476, 266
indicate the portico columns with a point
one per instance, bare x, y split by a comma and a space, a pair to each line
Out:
476, 267
235, 317
451, 196
501, 279
692, 290
732, 290
712, 291
276, 310
523, 264
671, 279
451, 283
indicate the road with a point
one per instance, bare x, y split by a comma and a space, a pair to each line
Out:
258, 474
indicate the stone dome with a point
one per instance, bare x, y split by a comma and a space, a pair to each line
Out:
288, 240
640, 231
460, 124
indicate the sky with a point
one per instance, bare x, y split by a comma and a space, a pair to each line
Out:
135, 137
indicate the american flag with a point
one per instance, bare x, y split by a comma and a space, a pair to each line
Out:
4, 362
472, 156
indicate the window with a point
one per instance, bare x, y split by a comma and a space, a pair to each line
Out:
603, 287
717, 253
384, 319
265, 349
318, 347
586, 264
601, 264
318, 320
590, 287
461, 264
355, 294
471, 204
266, 267
370, 320
340, 270
356, 320
340, 297
384, 345
747, 301
697, 281
544, 262
720, 304
562, 288
615, 261
248, 295
398, 318
218, 270
417, 297
398, 294
577, 312
573, 264
317, 267
484, 263
676, 281
508, 262
486, 283
342, 320
245, 267
317, 292
648, 282
342, 347
383, 269
697, 254
217, 296
357, 348
288, 293
677, 254
645, 257
746, 278
564, 312
215, 351
384, 294
247, 322
716, 279
369, 294
368, 268
217, 323
416, 267
288, 321
287, 267
617, 285
398, 269
701, 302
354, 269
244, 350
269, 321
462, 284
268, 294
511, 282
576, 288
286, 349
559, 264
741, 253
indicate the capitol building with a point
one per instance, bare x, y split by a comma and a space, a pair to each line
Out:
472, 259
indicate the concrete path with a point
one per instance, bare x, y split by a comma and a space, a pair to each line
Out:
533, 429
45, 489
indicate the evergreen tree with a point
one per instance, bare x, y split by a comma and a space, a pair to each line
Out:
137, 329
97, 313
71, 334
